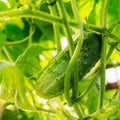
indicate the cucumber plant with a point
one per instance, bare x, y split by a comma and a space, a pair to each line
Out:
36, 85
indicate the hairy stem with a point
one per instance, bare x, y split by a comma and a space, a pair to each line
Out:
103, 56
66, 26
56, 29
48, 18
114, 25
67, 30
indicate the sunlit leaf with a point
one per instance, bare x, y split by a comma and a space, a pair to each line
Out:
95, 16
12, 3
23, 98
29, 62
85, 7
8, 75
3, 6
16, 90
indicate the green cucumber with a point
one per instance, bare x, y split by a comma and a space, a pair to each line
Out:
51, 80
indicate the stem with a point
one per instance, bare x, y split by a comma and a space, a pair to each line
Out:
112, 47
79, 111
7, 54
32, 28
76, 52
48, 18
66, 26
105, 13
56, 29
80, 38
114, 25
65, 112
114, 37
103, 56
89, 88
102, 71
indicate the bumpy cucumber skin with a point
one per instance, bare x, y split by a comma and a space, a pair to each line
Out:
51, 81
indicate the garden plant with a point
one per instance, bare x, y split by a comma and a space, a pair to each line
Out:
42, 80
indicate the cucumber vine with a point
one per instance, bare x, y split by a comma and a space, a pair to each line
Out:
62, 25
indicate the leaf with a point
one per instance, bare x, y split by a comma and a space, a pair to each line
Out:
15, 50
96, 13
3, 6
3, 39
23, 98
8, 75
28, 62
46, 29
113, 11
85, 7
12, 3
14, 32
13, 87
15, 114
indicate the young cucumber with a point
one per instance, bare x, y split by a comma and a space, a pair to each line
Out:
51, 80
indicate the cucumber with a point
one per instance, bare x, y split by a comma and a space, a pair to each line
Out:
51, 80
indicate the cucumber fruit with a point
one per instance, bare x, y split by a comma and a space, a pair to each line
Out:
51, 80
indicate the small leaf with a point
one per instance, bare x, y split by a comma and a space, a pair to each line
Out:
28, 62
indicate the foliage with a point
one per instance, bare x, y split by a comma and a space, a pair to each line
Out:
30, 35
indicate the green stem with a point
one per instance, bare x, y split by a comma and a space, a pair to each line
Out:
105, 11
65, 112
66, 25
7, 54
75, 55
77, 52
114, 37
89, 88
80, 40
112, 47
79, 111
56, 29
48, 18
102, 71
103, 56
114, 25
32, 28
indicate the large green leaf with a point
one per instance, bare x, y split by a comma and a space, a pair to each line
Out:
28, 62
14, 86
8, 76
